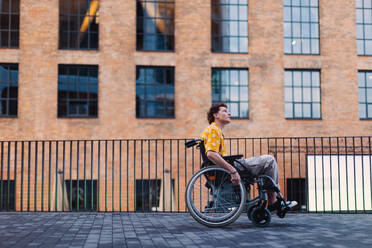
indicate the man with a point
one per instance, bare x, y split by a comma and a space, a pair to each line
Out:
218, 118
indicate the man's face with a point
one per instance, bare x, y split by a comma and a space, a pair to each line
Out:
223, 115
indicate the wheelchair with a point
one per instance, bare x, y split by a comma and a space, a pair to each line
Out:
213, 200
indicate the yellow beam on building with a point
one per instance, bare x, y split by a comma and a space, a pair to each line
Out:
89, 15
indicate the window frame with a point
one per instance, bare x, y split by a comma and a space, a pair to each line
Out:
68, 32
77, 66
173, 71
88, 186
9, 83
7, 190
143, 18
362, 24
219, 21
302, 102
9, 29
293, 38
365, 103
229, 69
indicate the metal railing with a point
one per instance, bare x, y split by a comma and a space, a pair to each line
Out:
324, 174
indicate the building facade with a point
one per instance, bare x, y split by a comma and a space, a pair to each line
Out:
272, 43
145, 69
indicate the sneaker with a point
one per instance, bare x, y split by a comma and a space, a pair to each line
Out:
290, 204
279, 205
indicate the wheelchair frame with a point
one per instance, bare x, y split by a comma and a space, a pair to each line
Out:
256, 208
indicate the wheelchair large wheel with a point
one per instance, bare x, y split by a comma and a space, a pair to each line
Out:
212, 199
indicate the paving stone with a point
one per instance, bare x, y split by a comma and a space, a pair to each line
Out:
180, 230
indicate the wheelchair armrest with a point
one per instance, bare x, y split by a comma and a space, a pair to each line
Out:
193, 142
232, 157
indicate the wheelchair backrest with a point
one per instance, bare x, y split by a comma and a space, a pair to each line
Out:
201, 146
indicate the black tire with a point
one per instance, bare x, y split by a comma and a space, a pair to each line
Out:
281, 214
212, 199
249, 212
261, 216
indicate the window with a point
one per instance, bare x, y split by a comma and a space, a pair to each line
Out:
154, 92
8, 90
9, 24
231, 87
148, 195
77, 91
364, 27
296, 191
230, 26
155, 25
302, 94
78, 24
365, 94
7, 196
301, 27
85, 196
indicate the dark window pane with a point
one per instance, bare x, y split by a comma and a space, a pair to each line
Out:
296, 190
15, 6
169, 111
4, 38
79, 108
14, 22
4, 7
82, 194
148, 194
62, 108
3, 90
93, 75
13, 106
78, 24
155, 92
4, 21
8, 90
13, 91
155, 25
93, 27
77, 89
93, 109
14, 39
3, 107
4, 73
7, 195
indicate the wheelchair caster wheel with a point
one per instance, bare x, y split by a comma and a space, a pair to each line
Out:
249, 212
261, 216
281, 214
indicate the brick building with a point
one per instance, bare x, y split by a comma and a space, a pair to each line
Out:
87, 69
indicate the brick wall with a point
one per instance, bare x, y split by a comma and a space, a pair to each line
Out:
38, 58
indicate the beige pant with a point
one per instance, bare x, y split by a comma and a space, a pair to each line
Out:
260, 165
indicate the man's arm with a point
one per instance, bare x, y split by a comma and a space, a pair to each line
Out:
218, 160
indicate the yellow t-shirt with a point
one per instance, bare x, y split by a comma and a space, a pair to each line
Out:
213, 139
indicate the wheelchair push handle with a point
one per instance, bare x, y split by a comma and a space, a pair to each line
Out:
193, 142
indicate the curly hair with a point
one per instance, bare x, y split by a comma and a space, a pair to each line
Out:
214, 109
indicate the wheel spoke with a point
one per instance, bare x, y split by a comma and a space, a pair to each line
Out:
218, 201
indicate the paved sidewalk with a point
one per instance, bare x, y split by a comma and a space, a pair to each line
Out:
180, 230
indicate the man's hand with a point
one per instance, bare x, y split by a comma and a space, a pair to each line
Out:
235, 178
218, 160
